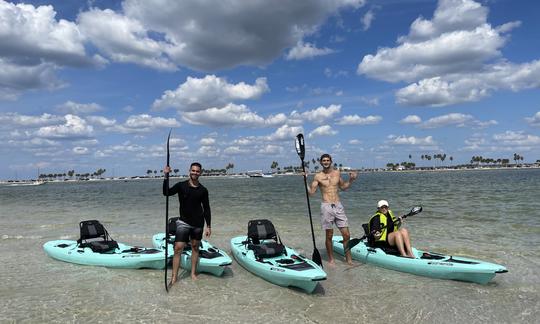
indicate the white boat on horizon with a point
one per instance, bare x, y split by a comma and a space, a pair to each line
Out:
27, 183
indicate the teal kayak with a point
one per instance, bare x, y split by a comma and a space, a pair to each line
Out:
124, 256
211, 259
427, 264
289, 269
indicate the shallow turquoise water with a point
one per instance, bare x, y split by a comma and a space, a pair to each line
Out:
490, 215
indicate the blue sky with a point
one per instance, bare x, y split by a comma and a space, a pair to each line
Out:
90, 84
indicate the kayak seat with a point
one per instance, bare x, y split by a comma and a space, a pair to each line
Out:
260, 230
381, 245
267, 249
96, 237
172, 225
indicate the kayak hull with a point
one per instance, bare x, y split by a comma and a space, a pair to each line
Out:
428, 264
214, 261
294, 270
125, 256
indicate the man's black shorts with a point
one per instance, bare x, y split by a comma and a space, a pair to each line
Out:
185, 233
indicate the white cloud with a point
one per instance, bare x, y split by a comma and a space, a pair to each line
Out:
211, 91
231, 115
453, 58
367, 19
534, 120
70, 107
517, 139
34, 45
208, 151
318, 115
457, 119
74, 127
357, 120
411, 119
236, 150
10, 119
79, 150
143, 123
207, 141
355, 142
325, 130
445, 120
306, 50
101, 121
412, 140
285, 133
244, 37
124, 39
271, 149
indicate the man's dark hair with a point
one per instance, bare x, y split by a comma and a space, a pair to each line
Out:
325, 155
195, 164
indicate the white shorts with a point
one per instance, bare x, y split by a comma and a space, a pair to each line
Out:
333, 214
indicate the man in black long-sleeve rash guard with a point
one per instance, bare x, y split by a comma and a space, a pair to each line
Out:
194, 212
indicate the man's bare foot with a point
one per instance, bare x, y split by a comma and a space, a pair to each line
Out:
332, 264
349, 262
194, 277
171, 283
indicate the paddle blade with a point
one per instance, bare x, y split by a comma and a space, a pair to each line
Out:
316, 257
352, 243
300, 146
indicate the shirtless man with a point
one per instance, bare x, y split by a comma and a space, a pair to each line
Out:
332, 212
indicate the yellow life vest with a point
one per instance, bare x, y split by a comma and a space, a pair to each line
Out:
387, 227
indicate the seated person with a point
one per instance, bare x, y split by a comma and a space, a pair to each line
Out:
386, 232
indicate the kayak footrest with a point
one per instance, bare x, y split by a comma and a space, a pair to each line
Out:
298, 266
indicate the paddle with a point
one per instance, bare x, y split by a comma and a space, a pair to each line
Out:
167, 214
301, 150
355, 241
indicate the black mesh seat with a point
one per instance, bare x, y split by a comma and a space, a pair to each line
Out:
259, 231
96, 237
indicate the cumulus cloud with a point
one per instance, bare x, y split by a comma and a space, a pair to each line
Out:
285, 133
231, 115
306, 50
70, 107
534, 120
271, 149
208, 92
143, 123
74, 127
411, 119
454, 57
517, 139
355, 142
101, 121
357, 120
456, 119
236, 150
412, 140
245, 36
207, 141
124, 39
34, 45
10, 119
325, 130
317, 115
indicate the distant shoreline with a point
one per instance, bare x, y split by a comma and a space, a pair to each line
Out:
245, 176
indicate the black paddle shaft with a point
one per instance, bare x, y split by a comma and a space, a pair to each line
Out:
167, 213
300, 149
